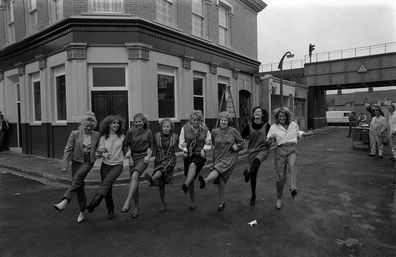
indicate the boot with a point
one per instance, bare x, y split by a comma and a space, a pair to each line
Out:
94, 203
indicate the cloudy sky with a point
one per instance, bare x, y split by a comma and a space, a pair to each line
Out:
291, 25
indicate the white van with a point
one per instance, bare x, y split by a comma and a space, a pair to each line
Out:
338, 117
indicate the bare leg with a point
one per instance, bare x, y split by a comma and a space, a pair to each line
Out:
157, 175
192, 195
212, 176
132, 189
191, 173
136, 203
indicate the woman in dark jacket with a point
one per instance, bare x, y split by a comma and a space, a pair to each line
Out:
80, 150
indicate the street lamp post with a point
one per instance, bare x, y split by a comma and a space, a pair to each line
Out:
288, 54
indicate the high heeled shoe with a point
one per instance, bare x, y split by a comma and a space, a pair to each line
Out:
124, 209
61, 205
252, 200
278, 204
221, 206
81, 217
293, 193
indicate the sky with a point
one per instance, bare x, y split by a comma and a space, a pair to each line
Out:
291, 25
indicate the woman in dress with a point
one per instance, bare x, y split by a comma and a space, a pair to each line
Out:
286, 133
258, 147
110, 150
226, 145
165, 146
138, 144
194, 141
80, 151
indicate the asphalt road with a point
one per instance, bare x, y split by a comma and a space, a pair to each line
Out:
346, 206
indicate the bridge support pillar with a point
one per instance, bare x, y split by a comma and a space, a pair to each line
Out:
316, 108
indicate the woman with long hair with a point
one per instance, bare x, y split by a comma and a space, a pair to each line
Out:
138, 145
226, 145
258, 147
194, 141
165, 146
110, 150
80, 151
286, 134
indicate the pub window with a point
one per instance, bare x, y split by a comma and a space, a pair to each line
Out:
36, 97
108, 76
60, 93
166, 95
198, 92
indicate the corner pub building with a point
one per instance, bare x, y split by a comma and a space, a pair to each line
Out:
164, 58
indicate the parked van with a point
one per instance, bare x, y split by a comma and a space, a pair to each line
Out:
338, 117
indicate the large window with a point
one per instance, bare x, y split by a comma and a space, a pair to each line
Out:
60, 93
166, 95
222, 96
198, 18
56, 10
32, 17
108, 76
165, 10
106, 6
198, 92
10, 34
224, 24
36, 97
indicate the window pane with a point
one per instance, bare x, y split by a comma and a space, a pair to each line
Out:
37, 100
164, 12
222, 17
222, 36
108, 77
197, 7
61, 97
197, 25
198, 86
221, 90
107, 6
166, 96
199, 104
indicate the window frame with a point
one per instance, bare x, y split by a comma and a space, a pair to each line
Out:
90, 77
229, 11
173, 13
91, 8
202, 76
201, 16
32, 19
54, 10
58, 72
10, 22
35, 77
168, 71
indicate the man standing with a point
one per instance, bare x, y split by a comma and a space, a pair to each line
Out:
352, 122
378, 127
392, 129
4, 128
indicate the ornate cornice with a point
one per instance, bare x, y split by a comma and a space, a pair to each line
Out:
187, 62
76, 51
213, 68
42, 60
138, 51
21, 68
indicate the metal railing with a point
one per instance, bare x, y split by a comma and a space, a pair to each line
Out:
333, 55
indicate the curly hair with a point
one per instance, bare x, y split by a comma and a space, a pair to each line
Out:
172, 125
89, 119
264, 118
198, 115
285, 111
227, 115
143, 118
106, 123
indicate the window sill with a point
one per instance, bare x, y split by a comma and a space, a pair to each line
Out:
59, 123
106, 14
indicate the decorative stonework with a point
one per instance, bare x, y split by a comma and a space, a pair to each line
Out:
138, 51
235, 73
257, 79
76, 51
21, 68
42, 60
187, 62
213, 68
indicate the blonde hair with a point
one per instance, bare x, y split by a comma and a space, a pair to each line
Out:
227, 115
285, 111
88, 119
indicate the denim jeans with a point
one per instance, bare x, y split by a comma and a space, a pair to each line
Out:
79, 172
108, 175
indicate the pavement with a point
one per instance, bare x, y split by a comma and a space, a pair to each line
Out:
51, 170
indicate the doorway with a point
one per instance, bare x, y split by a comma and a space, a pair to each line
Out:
106, 103
244, 108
